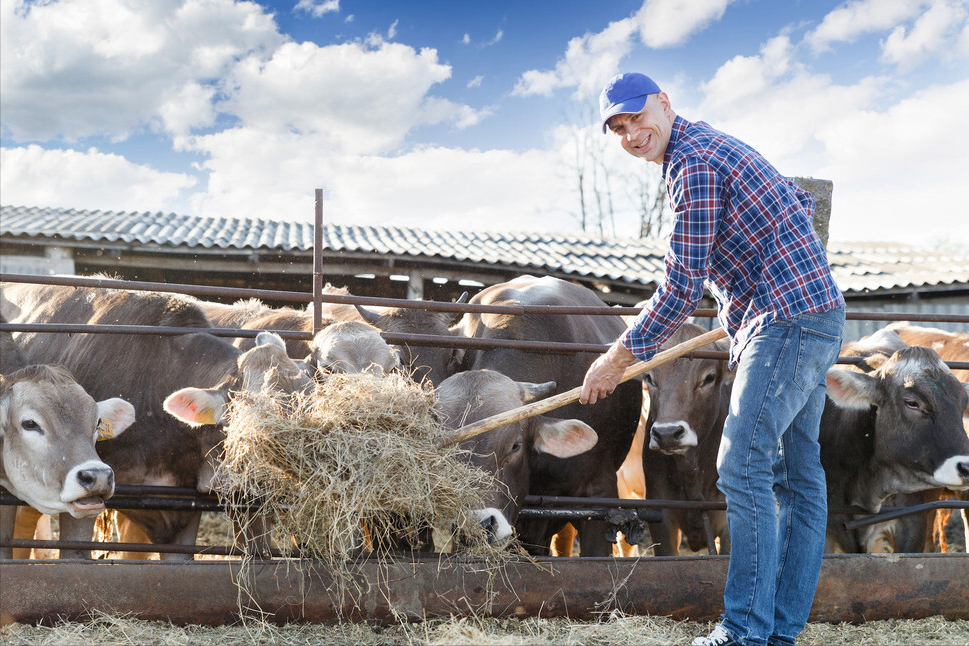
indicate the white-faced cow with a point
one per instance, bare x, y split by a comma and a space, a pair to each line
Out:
422, 362
614, 419
263, 368
688, 403
48, 427
352, 347
951, 346
505, 452
142, 369
894, 428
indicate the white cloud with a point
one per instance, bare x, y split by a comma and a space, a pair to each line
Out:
32, 176
590, 60
935, 33
431, 187
859, 17
317, 8
667, 23
358, 98
80, 68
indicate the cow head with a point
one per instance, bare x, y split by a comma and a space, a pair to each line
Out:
687, 398
264, 367
504, 452
917, 403
48, 427
352, 347
424, 362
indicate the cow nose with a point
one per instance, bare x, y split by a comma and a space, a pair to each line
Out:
489, 524
963, 470
670, 435
95, 479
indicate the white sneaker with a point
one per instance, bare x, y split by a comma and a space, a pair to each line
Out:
717, 637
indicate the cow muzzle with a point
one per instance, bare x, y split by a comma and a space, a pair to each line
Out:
495, 524
673, 438
86, 488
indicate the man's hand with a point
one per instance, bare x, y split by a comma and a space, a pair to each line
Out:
605, 372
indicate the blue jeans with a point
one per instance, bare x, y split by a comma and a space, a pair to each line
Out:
769, 453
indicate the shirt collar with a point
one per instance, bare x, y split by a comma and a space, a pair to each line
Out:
679, 127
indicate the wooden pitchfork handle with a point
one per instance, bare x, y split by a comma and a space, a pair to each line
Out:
570, 396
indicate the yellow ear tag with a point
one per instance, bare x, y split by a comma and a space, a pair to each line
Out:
105, 431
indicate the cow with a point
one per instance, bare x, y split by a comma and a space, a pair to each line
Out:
352, 347
893, 427
48, 427
688, 403
423, 362
266, 367
614, 419
505, 452
142, 369
951, 346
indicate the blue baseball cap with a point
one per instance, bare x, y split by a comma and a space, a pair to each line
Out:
625, 94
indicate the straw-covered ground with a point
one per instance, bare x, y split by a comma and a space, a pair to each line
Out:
614, 630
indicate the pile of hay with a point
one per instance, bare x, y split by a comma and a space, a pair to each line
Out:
349, 467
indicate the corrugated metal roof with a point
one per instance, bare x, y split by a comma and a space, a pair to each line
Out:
858, 267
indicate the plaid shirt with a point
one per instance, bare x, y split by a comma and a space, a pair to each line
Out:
743, 230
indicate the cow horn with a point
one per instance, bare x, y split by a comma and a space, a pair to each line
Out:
532, 391
367, 315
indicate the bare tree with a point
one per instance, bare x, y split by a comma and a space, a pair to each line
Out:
611, 188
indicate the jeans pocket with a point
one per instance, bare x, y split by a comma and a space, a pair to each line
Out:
817, 351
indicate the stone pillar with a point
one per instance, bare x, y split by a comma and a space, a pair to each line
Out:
820, 190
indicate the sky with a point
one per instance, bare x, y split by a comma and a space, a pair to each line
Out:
469, 115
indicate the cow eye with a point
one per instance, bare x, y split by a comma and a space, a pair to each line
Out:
31, 425
516, 447
649, 380
911, 404
709, 379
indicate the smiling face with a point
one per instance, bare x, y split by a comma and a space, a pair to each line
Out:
645, 134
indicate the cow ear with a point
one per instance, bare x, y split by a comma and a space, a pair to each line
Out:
270, 338
115, 416
850, 389
197, 406
563, 438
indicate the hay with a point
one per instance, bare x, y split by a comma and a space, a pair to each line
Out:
351, 466
614, 630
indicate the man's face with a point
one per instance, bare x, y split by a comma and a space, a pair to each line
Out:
645, 134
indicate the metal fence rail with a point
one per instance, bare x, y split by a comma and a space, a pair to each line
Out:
171, 498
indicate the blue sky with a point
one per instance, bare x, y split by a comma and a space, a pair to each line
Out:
467, 115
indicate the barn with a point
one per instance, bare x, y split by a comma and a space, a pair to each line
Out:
399, 262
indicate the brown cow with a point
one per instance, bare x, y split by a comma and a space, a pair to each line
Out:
688, 403
614, 419
893, 427
48, 427
504, 452
951, 346
144, 370
265, 367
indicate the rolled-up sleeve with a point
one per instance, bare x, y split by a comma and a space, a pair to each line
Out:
697, 193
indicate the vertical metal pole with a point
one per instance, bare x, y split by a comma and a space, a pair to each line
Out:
318, 263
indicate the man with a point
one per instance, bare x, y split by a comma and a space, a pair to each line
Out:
743, 230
